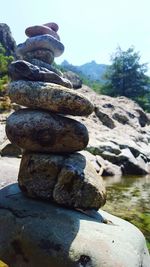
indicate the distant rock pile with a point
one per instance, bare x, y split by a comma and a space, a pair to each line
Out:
51, 169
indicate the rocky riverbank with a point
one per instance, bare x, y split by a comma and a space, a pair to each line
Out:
119, 132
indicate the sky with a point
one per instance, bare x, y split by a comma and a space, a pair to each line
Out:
89, 29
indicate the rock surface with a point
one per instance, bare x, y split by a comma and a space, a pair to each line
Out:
35, 233
7, 40
10, 150
102, 167
23, 70
45, 65
74, 79
68, 180
131, 130
45, 41
41, 54
42, 131
53, 97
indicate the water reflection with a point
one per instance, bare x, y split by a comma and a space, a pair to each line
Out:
135, 188
129, 198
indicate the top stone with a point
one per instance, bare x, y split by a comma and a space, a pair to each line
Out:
52, 25
40, 30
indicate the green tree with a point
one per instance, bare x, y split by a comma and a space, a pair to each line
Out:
126, 76
4, 63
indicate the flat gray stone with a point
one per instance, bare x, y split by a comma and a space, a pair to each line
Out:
42, 131
50, 96
68, 180
23, 70
45, 41
36, 233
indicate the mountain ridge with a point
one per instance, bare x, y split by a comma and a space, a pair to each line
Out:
92, 70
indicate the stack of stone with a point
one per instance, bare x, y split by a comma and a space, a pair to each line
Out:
51, 169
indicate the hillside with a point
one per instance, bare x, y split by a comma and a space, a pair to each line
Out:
90, 70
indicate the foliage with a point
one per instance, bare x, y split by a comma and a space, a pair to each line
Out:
126, 76
95, 85
4, 63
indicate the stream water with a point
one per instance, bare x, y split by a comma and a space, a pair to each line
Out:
129, 198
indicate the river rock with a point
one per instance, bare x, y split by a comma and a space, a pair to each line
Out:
68, 180
42, 131
45, 65
45, 41
41, 54
23, 70
36, 233
52, 25
49, 96
40, 30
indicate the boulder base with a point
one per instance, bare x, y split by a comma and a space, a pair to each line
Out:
35, 233
68, 180
42, 131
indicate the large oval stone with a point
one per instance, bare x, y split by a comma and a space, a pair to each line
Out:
50, 96
45, 41
42, 131
68, 180
39, 30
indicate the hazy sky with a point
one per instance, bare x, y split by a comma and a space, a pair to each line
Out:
89, 29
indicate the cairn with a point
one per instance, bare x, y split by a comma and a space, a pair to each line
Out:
51, 168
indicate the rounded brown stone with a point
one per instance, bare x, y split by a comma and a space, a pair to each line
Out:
69, 180
40, 30
42, 131
52, 25
41, 54
50, 96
